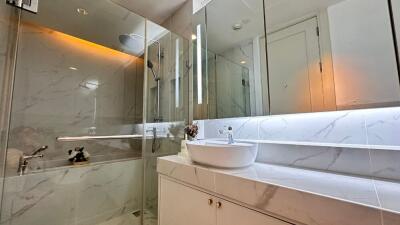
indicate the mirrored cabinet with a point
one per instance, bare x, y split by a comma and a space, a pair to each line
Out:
271, 57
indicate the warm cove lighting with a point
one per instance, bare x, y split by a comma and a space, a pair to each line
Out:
80, 45
90, 47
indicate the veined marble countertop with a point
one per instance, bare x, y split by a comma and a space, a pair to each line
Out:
306, 196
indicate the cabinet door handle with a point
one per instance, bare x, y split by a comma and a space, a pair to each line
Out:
210, 201
219, 205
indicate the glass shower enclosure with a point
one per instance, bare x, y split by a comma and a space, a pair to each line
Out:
81, 118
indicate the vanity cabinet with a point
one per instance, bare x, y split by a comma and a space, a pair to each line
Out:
182, 205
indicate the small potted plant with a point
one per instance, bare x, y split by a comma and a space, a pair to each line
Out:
191, 132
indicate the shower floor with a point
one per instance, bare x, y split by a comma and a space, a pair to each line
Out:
130, 219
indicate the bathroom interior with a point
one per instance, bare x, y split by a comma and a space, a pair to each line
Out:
200, 112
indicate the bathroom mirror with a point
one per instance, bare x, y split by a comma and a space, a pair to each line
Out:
330, 55
231, 52
318, 55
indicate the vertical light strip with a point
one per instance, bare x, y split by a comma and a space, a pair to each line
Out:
199, 68
177, 64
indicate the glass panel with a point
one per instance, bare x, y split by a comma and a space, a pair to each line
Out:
8, 32
234, 56
203, 73
69, 83
167, 106
166, 69
80, 71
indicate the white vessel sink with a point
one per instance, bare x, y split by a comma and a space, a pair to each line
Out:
221, 154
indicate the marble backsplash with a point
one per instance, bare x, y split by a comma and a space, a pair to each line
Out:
371, 128
90, 195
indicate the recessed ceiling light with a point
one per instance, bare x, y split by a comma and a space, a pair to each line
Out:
194, 37
73, 68
82, 11
242, 62
237, 26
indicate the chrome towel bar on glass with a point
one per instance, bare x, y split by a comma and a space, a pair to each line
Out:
90, 138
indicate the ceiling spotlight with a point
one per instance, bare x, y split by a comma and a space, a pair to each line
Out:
73, 68
242, 62
82, 11
237, 26
194, 37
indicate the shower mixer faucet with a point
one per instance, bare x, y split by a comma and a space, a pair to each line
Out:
24, 159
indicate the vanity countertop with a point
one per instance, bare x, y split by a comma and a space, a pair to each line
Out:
306, 196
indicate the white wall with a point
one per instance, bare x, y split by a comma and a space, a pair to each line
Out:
363, 53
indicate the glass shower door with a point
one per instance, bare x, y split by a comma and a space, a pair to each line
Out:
8, 33
78, 90
166, 105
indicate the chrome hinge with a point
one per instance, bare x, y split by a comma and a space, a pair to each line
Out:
317, 30
28, 5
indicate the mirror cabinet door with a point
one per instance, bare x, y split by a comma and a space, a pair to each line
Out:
330, 55
235, 63
298, 56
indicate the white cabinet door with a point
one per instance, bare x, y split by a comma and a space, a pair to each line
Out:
181, 205
232, 214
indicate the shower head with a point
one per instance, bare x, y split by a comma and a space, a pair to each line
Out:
133, 43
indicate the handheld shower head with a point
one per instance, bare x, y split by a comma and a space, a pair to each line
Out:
150, 65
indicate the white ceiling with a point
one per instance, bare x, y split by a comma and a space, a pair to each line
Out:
281, 12
222, 14
103, 24
155, 10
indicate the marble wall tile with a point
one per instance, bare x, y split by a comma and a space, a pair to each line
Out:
369, 126
150, 191
365, 127
385, 164
330, 127
26, 198
383, 126
180, 21
73, 195
389, 194
341, 160
99, 96
243, 128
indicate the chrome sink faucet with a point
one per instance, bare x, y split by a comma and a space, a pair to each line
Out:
24, 159
229, 133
